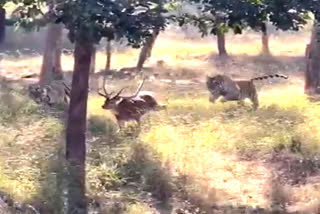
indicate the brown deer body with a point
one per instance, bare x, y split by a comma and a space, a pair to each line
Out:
127, 108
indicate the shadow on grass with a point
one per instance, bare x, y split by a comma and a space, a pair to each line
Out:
205, 200
122, 171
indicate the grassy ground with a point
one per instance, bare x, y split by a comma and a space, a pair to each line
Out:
195, 156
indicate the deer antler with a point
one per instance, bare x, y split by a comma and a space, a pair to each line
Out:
119, 92
138, 90
105, 94
140, 86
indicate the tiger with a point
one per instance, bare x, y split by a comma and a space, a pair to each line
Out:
55, 93
231, 90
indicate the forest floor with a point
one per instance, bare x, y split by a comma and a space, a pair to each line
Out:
195, 157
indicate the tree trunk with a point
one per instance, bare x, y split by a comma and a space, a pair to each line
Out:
221, 44
76, 130
312, 75
93, 61
265, 40
2, 24
108, 51
51, 61
146, 50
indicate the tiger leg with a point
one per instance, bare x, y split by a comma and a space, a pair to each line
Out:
241, 102
223, 100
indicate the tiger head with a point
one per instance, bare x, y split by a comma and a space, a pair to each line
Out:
40, 94
215, 86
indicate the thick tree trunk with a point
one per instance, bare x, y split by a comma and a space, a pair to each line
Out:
93, 61
108, 52
146, 50
265, 40
51, 61
312, 75
76, 130
2, 24
221, 42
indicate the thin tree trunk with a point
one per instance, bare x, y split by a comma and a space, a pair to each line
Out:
146, 50
221, 44
108, 51
2, 24
265, 40
93, 61
312, 75
51, 62
75, 133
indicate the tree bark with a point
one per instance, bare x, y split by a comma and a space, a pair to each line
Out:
93, 60
312, 75
108, 52
51, 61
221, 42
76, 130
265, 40
146, 50
2, 24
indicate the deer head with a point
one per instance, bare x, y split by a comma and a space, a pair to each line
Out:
112, 102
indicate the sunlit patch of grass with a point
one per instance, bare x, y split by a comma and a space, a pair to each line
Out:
14, 107
101, 121
94, 106
228, 126
138, 208
100, 125
286, 98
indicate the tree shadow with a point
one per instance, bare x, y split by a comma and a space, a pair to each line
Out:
205, 201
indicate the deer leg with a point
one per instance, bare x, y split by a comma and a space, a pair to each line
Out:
223, 100
120, 125
138, 122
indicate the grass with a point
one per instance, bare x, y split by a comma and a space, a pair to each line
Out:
198, 123
30, 143
195, 150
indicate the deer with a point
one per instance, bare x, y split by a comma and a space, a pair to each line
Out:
130, 108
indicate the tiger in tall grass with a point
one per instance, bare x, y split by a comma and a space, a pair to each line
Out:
55, 93
232, 90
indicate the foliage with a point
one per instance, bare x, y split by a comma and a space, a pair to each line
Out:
97, 19
223, 15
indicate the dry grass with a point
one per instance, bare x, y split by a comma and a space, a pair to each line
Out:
205, 143
192, 135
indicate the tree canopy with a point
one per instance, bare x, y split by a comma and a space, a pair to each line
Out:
93, 20
222, 15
